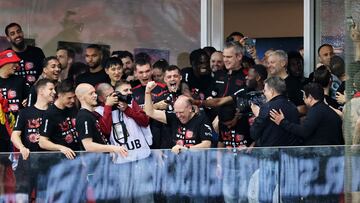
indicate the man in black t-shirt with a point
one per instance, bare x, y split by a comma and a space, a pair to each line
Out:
234, 129
87, 123
25, 137
12, 87
190, 130
31, 57
58, 127
96, 74
51, 71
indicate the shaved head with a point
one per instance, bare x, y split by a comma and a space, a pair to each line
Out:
183, 109
82, 89
182, 101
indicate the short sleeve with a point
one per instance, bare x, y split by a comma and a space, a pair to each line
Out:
47, 126
20, 121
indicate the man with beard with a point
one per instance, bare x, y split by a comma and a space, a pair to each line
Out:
96, 74
31, 57
58, 131
198, 76
278, 61
66, 57
51, 71
216, 62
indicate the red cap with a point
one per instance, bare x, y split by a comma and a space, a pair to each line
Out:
8, 56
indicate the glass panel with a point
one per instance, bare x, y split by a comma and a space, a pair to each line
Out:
306, 174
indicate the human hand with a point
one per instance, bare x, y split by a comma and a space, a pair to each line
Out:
111, 100
340, 98
255, 109
150, 86
25, 152
161, 105
120, 150
24, 102
177, 149
276, 116
69, 153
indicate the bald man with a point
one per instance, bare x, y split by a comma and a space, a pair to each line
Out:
88, 125
190, 130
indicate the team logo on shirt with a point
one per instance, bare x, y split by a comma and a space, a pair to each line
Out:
69, 138
34, 137
13, 107
189, 134
64, 126
34, 123
29, 65
180, 142
11, 94
30, 78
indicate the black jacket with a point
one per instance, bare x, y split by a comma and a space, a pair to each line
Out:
322, 126
266, 133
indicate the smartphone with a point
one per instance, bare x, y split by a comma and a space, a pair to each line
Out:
250, 42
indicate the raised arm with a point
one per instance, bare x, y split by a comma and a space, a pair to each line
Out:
148, 107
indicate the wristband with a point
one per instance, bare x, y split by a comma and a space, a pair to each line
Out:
147, 92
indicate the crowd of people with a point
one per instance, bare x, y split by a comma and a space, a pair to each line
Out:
126, 105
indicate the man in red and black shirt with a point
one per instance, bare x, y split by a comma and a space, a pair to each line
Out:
191, 130
233, 78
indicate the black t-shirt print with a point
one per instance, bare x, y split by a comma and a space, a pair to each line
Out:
88, 126
59, 126
196, 130
15, 90
238, 136
28, 122
30, 66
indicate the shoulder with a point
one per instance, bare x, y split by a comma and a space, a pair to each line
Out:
161, 85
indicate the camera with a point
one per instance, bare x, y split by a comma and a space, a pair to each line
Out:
244, 100
123, 98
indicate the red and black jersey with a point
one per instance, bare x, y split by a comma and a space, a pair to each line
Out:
196, 130
158, 93
227, 84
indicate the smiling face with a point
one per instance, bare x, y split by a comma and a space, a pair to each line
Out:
232, 60
114, 72
48, 92
52, 70
275, 65
16, 37
216, 61
183, 109
172, 80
